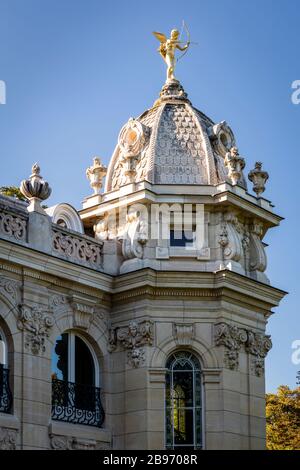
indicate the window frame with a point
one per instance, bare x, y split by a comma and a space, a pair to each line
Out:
5, 349
198, 441
71, 357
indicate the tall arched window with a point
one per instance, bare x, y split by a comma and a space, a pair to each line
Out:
183, 402
75, 382
5, 392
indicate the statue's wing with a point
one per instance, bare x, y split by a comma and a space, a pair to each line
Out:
160, 36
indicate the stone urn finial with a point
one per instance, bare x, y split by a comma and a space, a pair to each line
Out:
35, 189
235, 164
95, 174
258, 177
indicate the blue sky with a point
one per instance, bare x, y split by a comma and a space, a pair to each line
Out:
76, 70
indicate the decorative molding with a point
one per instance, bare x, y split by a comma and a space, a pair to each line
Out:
165, 292
183, 333
8, 439
36, 324
132, 338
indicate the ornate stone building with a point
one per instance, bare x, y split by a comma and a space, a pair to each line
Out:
139, 321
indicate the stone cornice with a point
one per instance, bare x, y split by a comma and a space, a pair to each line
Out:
222, 285
210, 195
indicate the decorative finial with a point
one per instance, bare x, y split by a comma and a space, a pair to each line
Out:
235, 164
258, 177
167, 49
35, 189
95, 174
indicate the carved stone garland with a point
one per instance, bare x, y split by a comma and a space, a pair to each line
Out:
132, 338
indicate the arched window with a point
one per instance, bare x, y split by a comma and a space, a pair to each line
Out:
5, 392
183, 402
75, 382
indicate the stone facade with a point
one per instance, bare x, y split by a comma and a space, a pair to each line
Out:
108, 274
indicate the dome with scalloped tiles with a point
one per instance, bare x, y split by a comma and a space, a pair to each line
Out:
171, 143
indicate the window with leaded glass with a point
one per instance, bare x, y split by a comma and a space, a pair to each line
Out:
183, 402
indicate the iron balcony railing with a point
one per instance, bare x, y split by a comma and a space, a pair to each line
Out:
5, 392
76, 403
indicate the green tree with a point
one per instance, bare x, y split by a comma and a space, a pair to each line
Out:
12, 191
283, 419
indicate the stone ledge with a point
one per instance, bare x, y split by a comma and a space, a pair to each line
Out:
79, 431
9, 421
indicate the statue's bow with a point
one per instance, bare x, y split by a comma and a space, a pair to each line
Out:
188, 38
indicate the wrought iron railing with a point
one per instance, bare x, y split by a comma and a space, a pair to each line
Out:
5, 392
76, 403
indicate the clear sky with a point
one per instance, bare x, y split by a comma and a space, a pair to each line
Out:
75, 71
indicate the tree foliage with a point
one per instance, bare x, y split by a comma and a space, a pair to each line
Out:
12, 191
283, 419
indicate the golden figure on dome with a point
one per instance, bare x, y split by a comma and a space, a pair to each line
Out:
167, 49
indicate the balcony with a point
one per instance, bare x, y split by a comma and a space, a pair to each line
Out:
76, 403
5, 392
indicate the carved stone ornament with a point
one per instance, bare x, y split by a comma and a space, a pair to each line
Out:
229, 238
75, 443
258, 254
8, 288
135, 235
13, 226
258, 345
235, 165
132, 338
232, 338
132, 138
36, 325
35, 189
8, 439
222, 138
259, 178
95, 174
58, 301
183, 333
78, 249
83, 315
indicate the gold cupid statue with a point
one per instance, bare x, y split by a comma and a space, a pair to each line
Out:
168, 48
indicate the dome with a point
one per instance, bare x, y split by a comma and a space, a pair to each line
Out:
171, 143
